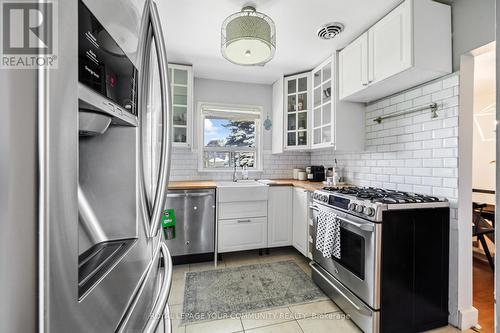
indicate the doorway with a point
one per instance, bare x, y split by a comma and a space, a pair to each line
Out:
477, 176
483, 186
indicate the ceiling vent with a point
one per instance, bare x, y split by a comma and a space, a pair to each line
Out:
330, 30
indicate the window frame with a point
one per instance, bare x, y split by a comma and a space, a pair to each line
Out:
203, 107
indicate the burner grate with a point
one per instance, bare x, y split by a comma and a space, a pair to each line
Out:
383, 196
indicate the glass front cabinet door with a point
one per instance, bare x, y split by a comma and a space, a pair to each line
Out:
323, 104
297, 107
181, 84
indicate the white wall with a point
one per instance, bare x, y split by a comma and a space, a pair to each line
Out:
473, 24
413, 153
483, 170
184, 161
497, 200
227, 92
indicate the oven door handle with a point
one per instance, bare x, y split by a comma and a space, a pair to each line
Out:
357, 307
362, 226
314, 208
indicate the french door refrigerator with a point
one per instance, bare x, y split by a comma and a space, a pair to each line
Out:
84, 167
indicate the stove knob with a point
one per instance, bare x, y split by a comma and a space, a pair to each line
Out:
359, 209
324, 198
352, 206
369, 211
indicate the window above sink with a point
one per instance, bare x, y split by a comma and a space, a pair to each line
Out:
229, 135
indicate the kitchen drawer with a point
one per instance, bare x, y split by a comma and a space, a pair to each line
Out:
236, 210
242, 234
242, 193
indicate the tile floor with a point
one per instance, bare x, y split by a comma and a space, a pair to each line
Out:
318, 317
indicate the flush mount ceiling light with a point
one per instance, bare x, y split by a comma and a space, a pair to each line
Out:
248, 38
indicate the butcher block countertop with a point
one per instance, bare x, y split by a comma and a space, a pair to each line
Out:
203, 184
191, 185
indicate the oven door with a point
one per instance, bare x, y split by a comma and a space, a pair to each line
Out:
359, 266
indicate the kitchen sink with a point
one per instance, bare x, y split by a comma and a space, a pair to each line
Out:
239, 183
246, 190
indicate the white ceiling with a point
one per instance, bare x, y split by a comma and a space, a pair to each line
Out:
192, 33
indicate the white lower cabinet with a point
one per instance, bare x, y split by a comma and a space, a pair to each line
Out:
242, 234
280, 206
281, 220
238, 210
300, 221
241, 218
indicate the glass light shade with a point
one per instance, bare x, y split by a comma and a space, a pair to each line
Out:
248, 38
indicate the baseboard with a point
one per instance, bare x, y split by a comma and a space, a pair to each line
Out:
192, 258
467, 318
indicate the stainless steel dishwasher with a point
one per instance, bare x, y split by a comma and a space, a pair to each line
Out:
195, 224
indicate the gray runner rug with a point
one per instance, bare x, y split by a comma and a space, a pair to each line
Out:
223, 293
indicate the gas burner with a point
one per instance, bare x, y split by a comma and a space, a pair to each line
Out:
343, 190
378, 195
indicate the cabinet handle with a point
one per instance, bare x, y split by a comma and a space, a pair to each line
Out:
244, 221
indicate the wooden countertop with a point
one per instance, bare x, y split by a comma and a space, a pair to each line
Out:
306, 185
191, 185
201, 184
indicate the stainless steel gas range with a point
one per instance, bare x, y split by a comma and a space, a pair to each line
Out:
392, 272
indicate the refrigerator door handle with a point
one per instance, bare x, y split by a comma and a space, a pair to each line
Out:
161, 188
167, 322
160, 306
145, 203
152, 215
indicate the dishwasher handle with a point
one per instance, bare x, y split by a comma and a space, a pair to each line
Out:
189, 195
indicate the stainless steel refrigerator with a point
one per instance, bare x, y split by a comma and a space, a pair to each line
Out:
84, 167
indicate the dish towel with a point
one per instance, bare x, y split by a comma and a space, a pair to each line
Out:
328, 235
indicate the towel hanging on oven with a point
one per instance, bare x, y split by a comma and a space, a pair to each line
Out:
328, 235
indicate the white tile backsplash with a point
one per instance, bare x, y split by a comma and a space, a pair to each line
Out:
413, 152
185, 166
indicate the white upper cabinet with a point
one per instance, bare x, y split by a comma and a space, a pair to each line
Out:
390, 46
181, 85
323, 100
353, 66
297, 106
307, 113
335, 124
409, 46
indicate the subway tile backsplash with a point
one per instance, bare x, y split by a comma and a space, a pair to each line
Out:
185, 166
413, 152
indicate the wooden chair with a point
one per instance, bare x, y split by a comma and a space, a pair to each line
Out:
481, 228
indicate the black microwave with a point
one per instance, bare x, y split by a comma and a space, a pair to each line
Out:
102, 65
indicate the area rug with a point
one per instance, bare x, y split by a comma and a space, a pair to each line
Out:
229, 292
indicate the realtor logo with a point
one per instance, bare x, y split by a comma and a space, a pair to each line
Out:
29, 34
